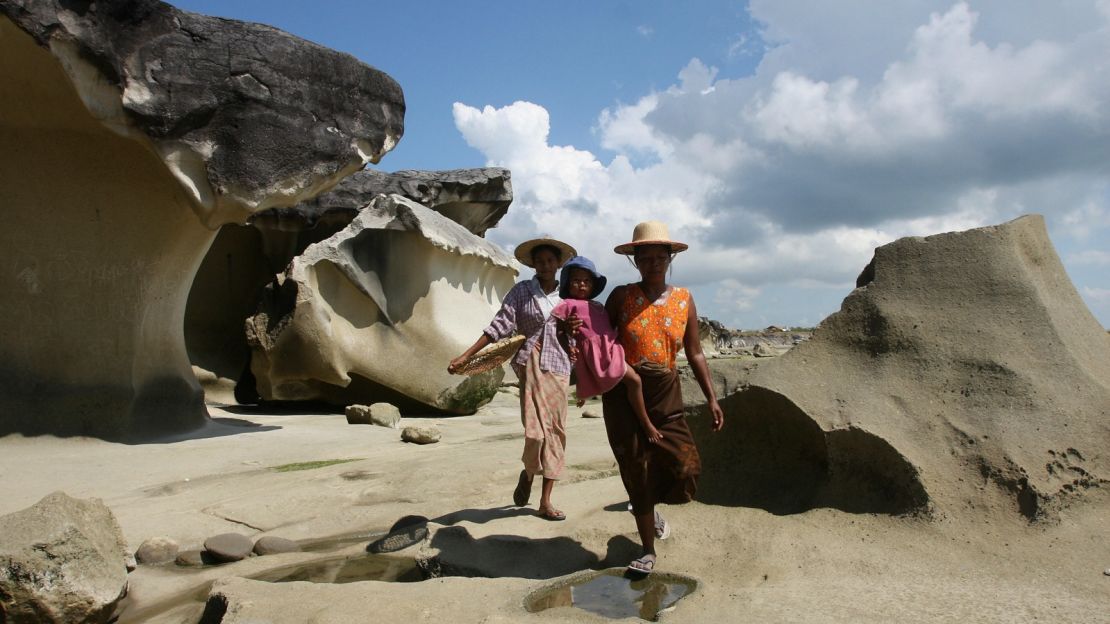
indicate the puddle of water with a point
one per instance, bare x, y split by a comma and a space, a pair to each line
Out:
610, 594
347, 570
189, 605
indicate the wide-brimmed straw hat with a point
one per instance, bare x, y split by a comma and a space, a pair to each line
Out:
523, 251
650, 233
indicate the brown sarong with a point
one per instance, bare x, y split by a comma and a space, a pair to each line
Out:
653, 473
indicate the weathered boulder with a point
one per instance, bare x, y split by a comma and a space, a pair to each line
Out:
374, 313
61, 560
140, 130
963, 375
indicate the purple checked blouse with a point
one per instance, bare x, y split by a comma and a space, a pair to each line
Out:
520, 313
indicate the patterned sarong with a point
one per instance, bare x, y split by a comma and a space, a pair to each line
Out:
543, 412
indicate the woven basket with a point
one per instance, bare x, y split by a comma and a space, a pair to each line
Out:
492, 356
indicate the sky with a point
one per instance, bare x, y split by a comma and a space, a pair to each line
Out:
782, 140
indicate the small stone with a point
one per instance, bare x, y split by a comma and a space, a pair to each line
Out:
156, 551
190, 558
589, 413
420, 435
130, 563
229, 546
385, 415
381, 414
357, 414
270, 545
1106, 571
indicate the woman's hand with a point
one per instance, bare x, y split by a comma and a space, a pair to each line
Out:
456, 364
653, 434
718, 415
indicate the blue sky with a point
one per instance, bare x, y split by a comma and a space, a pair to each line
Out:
783, 139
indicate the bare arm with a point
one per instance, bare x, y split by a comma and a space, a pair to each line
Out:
503, 325
481, 343
691, 342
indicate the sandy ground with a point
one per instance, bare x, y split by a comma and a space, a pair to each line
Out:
820, 566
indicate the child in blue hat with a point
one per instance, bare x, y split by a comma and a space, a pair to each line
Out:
598, 358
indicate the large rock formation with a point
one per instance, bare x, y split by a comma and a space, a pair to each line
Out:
61, 560
963, 374
375, 312
245, 258
136, 131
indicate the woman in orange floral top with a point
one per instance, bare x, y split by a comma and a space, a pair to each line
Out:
655, 321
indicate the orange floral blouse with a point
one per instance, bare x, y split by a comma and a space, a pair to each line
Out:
653, 331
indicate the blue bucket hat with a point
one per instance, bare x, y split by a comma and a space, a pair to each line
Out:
580, 262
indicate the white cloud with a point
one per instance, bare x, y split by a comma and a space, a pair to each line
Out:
1090, 257
645, 30
861, 125
1100, 295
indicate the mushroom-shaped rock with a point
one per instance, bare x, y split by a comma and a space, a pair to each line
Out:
474, 198
140, 130
961, 360
244, 259
375, 312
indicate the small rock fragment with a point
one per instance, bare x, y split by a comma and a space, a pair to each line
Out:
357, 414
157, 550
228, 546
590, 413
190, 558
270, 545
420, 435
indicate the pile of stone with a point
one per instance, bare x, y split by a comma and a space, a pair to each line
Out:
222, 548
720, 341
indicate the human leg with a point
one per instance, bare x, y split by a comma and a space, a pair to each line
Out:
634, 387
645, 526
546, 509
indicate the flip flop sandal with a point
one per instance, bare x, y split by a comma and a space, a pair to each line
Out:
552, 514
643, 565
662, 527
523, 489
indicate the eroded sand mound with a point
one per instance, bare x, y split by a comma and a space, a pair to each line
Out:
963, 373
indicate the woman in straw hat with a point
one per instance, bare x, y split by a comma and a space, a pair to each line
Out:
541, 365
654, 321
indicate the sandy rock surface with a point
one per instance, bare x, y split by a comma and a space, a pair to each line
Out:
752, 565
